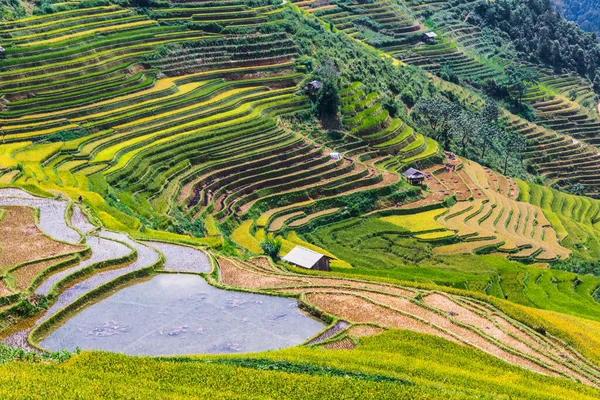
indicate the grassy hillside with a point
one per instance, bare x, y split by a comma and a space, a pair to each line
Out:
191, 123
394, 364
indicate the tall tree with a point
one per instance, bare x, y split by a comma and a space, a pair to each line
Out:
515, 145
437, 113
328, 98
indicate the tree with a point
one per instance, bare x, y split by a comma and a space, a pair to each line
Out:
328, 100
515, 145
597, 82
448, 74
491, 111
271, 248
520, 79
490, 131
465, 127
437, 113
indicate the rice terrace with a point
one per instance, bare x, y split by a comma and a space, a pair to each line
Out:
299, 199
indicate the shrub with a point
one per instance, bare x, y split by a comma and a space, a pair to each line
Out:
271, 247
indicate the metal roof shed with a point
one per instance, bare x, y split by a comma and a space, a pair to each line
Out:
305, 258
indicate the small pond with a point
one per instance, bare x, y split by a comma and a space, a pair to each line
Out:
182, 314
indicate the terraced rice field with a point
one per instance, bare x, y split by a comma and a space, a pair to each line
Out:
563, 139
189, 130
458, 319
564, 104
378, 139
393, 28
498, 221
574, 218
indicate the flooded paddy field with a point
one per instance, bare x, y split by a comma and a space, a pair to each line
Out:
182, 314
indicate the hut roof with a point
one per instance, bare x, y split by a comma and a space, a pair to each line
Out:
303, 257
413, 173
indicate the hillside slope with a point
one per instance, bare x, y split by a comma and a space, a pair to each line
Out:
586, 13
135, 139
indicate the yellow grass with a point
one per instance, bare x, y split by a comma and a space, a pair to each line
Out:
111, 28
6, 152
159, 85
420, 222
243, 238
435, 235
254, 113
37, 152
25, 135
198, 106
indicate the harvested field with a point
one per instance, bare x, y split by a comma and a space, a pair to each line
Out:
51, 213
343, 344
358, 309
460, 320
365, 330
233, 275
24, 276
20, 234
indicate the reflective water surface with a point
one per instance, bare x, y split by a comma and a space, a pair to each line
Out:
182, 314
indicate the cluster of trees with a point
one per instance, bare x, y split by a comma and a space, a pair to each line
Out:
578, 266
11, 9
586, 13
476, 135
540, 34
335, 59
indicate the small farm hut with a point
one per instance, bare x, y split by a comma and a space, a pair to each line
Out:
414, 176
313, 87
305, 258
429, 36
335, 156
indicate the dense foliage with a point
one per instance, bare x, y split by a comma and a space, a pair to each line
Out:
540, 34
477, 135
11, 9
585, 12
357, 63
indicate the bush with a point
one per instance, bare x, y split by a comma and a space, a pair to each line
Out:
271, 248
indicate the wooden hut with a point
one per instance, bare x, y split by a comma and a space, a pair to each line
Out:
305, 258
414, 176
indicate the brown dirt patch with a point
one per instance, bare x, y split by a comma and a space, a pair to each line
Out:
23, 276
20, 234
344, 344
4, 290
356, 309
362, 285
233, 275
264, 264
365, 330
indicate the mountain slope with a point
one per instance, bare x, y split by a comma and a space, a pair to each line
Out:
586, 13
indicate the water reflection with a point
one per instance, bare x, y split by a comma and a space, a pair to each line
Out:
182, 314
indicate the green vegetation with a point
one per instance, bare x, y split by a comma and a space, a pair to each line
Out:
583, 12
379, 249
189, 122
573, 217
378, 368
